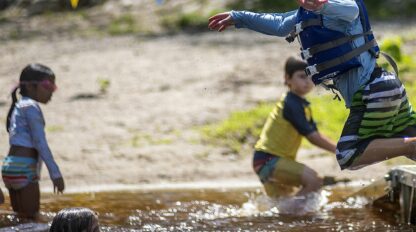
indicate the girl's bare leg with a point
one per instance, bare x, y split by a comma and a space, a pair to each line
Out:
26, 201
384, 149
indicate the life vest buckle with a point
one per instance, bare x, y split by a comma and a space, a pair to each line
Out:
306, 54
311, 70
291, 37
298, 28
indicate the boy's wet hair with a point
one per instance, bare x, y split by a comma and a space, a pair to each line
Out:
31, 73
73, 219
293, 65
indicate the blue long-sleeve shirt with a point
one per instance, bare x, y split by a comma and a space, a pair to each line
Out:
27, 129
339, 15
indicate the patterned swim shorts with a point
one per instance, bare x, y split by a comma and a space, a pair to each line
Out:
280, 176
18, 172
380, 109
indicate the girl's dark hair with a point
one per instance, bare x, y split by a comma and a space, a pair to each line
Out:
31, 73
73, 220
293, 65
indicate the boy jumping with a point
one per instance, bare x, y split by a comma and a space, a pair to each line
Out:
340, 49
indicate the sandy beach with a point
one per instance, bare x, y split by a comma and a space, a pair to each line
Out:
143, 129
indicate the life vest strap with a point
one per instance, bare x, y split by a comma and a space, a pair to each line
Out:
391, 62
317, 68
310, 52
311, 23
302, 25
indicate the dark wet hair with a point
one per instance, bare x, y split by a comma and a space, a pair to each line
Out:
31, 73
73, 220
293, 65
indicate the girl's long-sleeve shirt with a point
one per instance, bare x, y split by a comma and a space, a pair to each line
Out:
339, 15
27, 129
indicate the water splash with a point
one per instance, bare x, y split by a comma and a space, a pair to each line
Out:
302, 205
263, 206
297, 205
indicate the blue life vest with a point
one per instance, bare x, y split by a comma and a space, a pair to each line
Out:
330, 53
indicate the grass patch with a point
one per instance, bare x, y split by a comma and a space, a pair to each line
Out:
122, 25
54, 128
196, 20
329, 115
3, 19
241, 127
193, 20
406, 62
139, 140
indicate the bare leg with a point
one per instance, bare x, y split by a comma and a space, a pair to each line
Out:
384, 149
26, 201
311, 182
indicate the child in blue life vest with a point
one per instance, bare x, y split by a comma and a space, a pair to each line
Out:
289, 121
340, 49
28, 144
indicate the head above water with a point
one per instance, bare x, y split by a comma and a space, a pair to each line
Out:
75, 220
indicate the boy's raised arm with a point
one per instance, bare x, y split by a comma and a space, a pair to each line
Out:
220, 22
277, 24
281, 24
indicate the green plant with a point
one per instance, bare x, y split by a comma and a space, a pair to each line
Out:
124, 24
193, 20
394, 46
54, 128
140, 139
104, 85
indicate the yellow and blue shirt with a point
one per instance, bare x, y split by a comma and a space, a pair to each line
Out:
287, 123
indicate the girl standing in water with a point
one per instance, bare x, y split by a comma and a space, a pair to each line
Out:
28, 145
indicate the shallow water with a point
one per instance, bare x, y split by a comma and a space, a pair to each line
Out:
220, 210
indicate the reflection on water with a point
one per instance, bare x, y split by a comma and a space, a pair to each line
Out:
233, 210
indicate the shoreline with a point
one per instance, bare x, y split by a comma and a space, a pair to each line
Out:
223, 185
